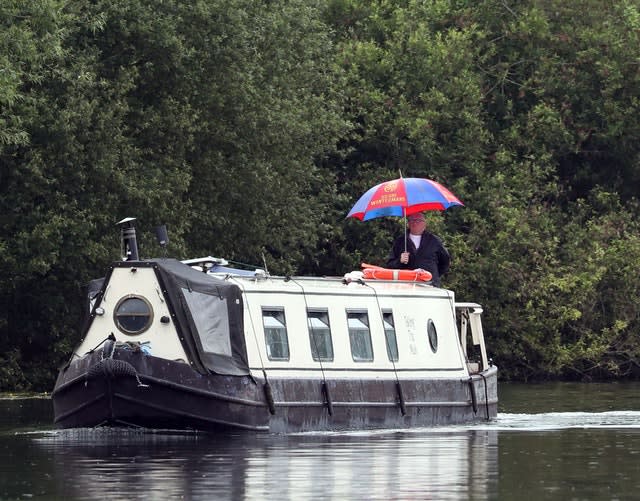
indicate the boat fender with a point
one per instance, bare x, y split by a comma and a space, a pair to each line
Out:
373, 272
269, 396
112, 368
486, 396
327, 397
352, 276
474, 397
403, 407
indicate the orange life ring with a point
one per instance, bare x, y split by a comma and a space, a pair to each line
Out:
374, 272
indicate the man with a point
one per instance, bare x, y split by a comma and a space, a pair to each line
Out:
423, 250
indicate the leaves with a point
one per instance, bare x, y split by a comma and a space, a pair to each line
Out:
250, 129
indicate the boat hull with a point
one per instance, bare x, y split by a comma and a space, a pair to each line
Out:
131, 388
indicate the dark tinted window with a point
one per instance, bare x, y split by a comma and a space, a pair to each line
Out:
133, 315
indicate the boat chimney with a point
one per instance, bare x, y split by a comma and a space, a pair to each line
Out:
128, 238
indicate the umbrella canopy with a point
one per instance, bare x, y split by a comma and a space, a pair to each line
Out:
402, 197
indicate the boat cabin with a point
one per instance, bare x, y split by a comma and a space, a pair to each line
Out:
288, 325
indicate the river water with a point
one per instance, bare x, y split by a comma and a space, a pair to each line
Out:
559, 441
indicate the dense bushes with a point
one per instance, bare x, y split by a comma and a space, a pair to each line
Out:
251, 129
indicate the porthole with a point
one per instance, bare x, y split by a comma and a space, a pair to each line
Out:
433, 336
133, 315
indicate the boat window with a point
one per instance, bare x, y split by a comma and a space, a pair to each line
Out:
133, 315
433, 335
320, 335
360, 336
390, 335
211, 318
275, 334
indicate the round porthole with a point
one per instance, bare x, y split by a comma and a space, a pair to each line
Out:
433, 336
133, 315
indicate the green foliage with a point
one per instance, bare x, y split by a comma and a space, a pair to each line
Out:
12, 377
415, 98
250, 129
265, 120
501, 103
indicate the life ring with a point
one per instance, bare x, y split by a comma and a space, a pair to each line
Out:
374, 272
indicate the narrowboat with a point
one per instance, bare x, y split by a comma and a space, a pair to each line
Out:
196, 344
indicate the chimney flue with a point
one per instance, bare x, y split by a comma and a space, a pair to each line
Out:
129, 241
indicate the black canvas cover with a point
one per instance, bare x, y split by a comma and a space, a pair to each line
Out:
209, 317
93, 288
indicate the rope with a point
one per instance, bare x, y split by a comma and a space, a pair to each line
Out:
254, 266
110, 337
325, 388
107, 346
403, 408
76, 354
267, 387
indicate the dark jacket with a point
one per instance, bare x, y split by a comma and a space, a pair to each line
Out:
432, 256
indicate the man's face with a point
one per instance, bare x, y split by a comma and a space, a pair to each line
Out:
417, 224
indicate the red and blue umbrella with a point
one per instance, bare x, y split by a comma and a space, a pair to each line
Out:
402, 197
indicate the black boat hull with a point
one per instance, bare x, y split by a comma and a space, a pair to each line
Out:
130, 388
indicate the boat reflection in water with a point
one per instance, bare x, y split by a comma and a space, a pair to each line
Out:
419, 464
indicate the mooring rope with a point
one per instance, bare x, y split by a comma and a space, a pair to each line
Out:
266, 387
403, 408
110, 337
325, 387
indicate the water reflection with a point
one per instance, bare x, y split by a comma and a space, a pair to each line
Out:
25, 412
392, 465
556, 441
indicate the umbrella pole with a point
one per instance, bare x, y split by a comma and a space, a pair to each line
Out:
405, 229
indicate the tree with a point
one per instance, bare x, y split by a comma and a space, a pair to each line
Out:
171, 113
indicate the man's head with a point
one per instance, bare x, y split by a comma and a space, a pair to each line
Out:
417, 223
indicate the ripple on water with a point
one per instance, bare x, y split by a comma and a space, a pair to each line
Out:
566, 420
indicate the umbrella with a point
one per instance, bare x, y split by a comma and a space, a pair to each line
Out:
402, 197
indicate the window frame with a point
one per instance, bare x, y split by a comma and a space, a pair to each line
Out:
388, 343
327, 335
432, 335
364, 334
118, 315
269, 343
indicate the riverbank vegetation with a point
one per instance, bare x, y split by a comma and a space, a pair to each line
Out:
250, 129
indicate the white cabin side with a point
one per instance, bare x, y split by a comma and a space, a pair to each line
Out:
409, 307
140, 283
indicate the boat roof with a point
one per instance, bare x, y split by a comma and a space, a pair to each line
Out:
259, 280
334, 285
